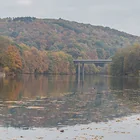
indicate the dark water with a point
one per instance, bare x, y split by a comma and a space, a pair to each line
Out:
55, 101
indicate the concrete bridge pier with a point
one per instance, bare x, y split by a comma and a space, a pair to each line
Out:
83, 71
79, 71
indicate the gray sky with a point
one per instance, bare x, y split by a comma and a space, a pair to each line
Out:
123, 15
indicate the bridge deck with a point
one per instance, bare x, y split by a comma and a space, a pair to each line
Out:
93, 61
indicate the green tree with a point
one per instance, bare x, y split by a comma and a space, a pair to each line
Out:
126, 61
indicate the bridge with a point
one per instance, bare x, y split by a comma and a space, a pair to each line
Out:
90, 61
95, 61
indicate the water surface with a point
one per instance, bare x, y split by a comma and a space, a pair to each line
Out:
30, 101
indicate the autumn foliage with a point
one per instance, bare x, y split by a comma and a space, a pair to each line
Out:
49, 46
23, 59
76, 39
14, 59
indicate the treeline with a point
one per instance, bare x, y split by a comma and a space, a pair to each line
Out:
19, 58
126, 61
22, 19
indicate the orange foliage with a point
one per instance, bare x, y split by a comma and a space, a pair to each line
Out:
14, 58
35, 61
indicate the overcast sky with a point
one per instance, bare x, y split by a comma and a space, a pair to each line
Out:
123, 15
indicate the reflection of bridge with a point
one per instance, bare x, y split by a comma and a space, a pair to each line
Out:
90, 61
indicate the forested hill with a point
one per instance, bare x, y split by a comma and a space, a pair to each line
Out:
77, 39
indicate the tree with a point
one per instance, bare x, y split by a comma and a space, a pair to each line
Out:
126, 61
13, 59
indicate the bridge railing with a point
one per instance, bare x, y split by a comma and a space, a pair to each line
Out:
93, 61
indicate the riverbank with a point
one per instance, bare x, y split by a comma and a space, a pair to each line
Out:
126, 128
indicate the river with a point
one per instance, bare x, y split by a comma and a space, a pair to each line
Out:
59, 107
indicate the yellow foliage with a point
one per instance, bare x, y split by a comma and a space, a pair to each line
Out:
6, 69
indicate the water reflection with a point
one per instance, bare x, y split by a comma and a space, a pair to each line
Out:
47, 101
120, 83
32, 87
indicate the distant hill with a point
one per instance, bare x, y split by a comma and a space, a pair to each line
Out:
77, 39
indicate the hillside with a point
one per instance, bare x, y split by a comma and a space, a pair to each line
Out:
76, 39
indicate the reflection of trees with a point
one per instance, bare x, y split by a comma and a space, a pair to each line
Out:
10, 89
94, 102
72, 109
117, 83
46, 86
131, 83
32, 87
120, 83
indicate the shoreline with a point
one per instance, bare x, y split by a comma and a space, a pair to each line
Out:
121, 128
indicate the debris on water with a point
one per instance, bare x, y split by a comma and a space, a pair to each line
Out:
118, 120
40, 138
9, 107
35, 107
61, 131
138, 119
